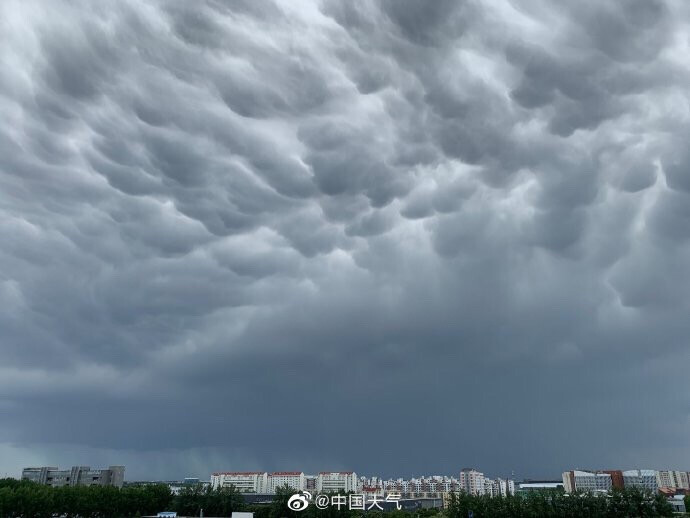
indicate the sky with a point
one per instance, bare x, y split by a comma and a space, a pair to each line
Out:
397, 237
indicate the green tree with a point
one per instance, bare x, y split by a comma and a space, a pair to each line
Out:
215, 502
279, 507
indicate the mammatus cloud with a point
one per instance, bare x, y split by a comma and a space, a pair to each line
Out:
396, 237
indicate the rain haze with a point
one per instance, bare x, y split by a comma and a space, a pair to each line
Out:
395, 237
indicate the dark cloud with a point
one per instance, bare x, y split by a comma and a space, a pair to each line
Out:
395, 237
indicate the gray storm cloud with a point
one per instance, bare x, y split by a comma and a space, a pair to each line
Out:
399, 237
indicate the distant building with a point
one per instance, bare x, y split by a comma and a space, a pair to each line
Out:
665, 479
297, 480
337, 482
681, 479
424, 488
472, 481
372, 488
672, 479
243, 481
261, 482
678, 504
616, 478
641, 478
77, 476
505, 487
310, 483
540, 485
490, 487
586, 481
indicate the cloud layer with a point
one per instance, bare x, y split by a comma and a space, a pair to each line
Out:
397, 237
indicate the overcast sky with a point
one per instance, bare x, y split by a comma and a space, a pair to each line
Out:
398, 237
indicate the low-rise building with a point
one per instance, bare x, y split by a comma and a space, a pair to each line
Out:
678, 504
540, 485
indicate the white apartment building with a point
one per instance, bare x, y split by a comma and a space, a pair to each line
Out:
433, 486
437, 486
642, 478
260, 481
498, 487
472, 481
243, 481
337, 482
399, 485
505, 487
295, 479
490, 487
586, 481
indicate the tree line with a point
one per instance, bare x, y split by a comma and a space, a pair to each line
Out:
622, 503
23, 499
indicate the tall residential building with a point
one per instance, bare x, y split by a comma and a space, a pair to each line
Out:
472, 481
505, 487
77, 476
586, 481
490, 487
243, 481
337, 482
641, 478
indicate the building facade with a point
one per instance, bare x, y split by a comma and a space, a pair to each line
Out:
665, 479
472, 481
77, 476
243, 481
539, 485
586, 481
616, 478
641, 478
337, 482
294, 479
681, 479
427, 487
672, 479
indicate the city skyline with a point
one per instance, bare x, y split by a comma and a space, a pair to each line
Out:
401, 235
267, 481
